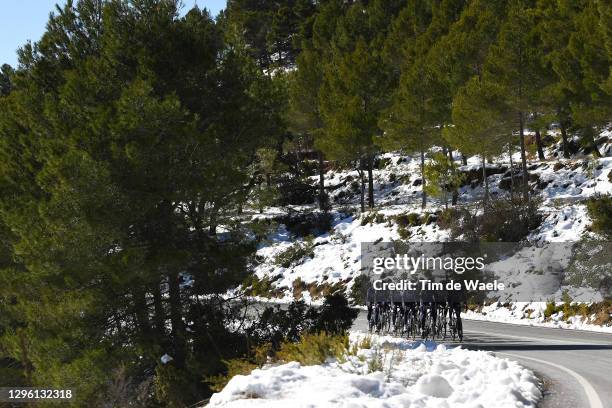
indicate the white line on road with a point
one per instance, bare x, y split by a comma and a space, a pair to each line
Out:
592, 396
539, 339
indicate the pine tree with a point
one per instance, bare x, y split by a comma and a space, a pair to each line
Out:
413, 123
575, 48
355, 89
460, 53
481, 120
6, 71
514, 62
125, 141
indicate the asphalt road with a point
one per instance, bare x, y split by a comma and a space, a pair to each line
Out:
575, 366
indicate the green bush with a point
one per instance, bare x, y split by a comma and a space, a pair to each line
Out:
295, 254
600, 211
239, 366
408, 220
306, 224
262, 228
502, 220
447, 217
335, 315
404, 232
551, 309
359, 289
314, 348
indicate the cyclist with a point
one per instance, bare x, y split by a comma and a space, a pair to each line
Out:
409, 309
455, 301
370, 300
426, 304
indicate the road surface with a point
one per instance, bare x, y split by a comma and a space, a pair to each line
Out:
575, 366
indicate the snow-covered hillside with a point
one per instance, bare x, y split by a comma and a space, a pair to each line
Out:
390, 372
297, 267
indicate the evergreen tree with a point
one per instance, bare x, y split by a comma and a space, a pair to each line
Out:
575, 47
6, 71
355, 88
271, 29
307, 80
481, 121
125, 141
514, 62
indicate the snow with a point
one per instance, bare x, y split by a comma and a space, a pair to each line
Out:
532, 314
562, 186
418, 375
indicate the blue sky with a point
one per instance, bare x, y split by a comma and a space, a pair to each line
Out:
23, 20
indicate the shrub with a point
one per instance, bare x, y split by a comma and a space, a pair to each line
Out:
262, 228
600, 211
295, 191
502, 220
295, 254
408, 220
314, 348
359, 289
239, 366
302, 225
298, 286
335, 315
551, 309
509, 220
257, 287
366, 342
376, 363
367, 218
404, 233
447, 217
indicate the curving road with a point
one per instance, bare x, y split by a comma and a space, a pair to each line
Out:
575, 366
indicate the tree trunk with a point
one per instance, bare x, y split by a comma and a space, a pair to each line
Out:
538, 139
424, 202
370, 182
322, 197
485, 179
176, 317
523, 157
361, 186
510, 152
455, 196
566, 152
590, 139
212, 228
160, 316
142, 313
464, 160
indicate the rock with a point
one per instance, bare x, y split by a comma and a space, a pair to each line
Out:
417, 182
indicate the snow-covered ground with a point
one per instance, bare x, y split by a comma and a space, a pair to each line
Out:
391, 373
561, 185
532, 314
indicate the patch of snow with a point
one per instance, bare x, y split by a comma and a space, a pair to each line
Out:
532, 314
412, 375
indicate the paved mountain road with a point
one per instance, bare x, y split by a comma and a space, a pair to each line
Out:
575, 366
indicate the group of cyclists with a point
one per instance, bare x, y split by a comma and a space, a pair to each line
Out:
426, 314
